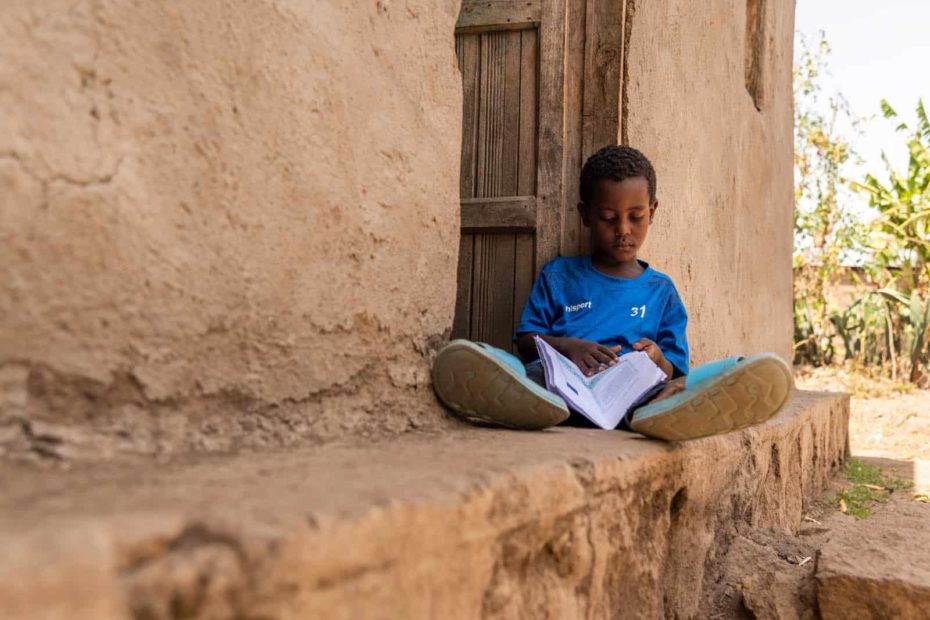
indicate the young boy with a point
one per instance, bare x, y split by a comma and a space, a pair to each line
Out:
591, 308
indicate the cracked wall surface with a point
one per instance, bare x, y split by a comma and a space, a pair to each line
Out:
223, 223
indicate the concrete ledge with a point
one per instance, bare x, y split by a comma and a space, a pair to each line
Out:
566, 523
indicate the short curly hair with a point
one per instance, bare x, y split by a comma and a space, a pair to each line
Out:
615, 163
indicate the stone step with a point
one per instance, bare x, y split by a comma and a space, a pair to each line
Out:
879, 567
564, 523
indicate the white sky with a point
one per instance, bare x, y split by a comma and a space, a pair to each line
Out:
881, 49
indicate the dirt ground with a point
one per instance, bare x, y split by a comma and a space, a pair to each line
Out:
775, 574
885, 421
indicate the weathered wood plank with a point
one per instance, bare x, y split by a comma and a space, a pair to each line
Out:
467, 50
529, 97
626, 19
603, 65
498, 14
605, 35
551, 80
492, 308
573, 233
522, 274
507, 213
491, 116
468, 47
510, 140
479, 329
461, 323
502, 310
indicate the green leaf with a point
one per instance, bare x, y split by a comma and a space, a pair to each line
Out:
887, 110
923, 124
915, 308
894, 295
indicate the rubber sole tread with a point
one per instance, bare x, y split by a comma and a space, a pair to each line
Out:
750, 395
479, 388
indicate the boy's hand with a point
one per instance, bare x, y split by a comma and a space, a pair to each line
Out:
590, 357
655, 354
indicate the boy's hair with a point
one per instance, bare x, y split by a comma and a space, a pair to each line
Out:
615, 163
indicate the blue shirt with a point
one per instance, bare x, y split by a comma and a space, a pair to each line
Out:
571, 298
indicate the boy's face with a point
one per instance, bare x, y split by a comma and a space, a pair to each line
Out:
619, 217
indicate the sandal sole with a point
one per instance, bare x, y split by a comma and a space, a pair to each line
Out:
478, 387
748, 394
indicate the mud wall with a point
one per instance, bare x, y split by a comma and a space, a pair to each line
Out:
229, 225
708, 98
223, 223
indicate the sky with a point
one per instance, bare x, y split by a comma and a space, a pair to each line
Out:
881, 49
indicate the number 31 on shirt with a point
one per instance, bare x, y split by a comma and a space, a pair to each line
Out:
639, 311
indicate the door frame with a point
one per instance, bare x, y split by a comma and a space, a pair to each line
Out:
581, 73
597, 39
583, 111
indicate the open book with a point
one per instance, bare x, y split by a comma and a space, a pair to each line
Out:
605, 397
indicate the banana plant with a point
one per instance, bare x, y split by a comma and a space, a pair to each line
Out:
920, 322
849, 325
918, 318
901, 235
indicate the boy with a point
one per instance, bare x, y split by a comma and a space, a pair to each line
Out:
590, 308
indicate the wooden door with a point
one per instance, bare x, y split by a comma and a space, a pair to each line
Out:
510, 55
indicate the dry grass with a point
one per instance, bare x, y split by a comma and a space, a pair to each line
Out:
859, 382
887, 418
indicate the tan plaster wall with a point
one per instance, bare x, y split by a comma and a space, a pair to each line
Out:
223, 222
724, 225
236, 224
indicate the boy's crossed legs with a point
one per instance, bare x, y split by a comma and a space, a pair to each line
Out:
486, 384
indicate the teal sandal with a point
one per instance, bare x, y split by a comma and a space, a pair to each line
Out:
745, 392
486, 384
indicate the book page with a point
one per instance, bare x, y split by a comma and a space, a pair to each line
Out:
605, 397
565, 379
617, 388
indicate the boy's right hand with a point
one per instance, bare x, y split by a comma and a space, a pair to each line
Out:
590, 357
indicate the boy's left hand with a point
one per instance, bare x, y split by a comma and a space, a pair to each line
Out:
655, 354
